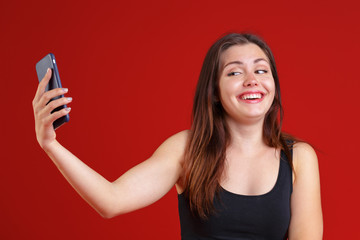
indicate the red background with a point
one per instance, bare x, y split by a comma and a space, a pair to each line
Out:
131, 68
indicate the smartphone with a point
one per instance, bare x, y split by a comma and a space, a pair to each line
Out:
41, 67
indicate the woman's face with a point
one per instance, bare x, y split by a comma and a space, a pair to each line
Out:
246, 84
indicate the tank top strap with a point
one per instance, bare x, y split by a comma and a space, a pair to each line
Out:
286, 172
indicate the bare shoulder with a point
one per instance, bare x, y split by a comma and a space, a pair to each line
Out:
177, 141
178, 138
305, 159
303, 147
174, 146
306, 214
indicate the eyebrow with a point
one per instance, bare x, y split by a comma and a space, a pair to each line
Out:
241, 63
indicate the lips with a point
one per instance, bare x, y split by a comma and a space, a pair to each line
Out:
251, 96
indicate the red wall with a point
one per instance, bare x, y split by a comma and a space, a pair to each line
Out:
131, 69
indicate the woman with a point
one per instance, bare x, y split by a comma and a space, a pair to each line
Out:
237, 175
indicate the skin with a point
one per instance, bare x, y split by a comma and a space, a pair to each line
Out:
247, 155
252, 166
246, 68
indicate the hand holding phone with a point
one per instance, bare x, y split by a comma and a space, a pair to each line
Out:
41, 68
45, 105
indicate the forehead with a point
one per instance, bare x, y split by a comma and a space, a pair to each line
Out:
244, 53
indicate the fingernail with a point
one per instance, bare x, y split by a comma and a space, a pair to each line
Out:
68, 109
47, 70
69, 99
65, 90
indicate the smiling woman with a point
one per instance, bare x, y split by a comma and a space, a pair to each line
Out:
237, 175
246, 79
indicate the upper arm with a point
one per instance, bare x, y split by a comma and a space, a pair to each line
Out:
150, 180
306, 214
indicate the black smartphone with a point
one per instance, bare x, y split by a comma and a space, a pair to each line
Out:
41, 67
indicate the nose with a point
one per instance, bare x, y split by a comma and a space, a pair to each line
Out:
250, 80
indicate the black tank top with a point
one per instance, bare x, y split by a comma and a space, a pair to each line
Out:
240, 217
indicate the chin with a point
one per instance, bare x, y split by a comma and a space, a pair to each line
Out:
255, 114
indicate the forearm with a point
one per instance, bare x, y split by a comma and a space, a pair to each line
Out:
91, 186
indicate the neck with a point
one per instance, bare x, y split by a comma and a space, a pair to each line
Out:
246, 137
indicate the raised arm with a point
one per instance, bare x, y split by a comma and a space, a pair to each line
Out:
140, 186
306, 214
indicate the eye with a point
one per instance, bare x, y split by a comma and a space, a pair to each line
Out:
261, 71
233, 74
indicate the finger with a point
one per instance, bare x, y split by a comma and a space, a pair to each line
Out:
45, 80
45, 111
56, 115
55, 104
42, 85
47, 96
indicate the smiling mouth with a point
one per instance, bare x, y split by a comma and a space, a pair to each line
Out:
251, 96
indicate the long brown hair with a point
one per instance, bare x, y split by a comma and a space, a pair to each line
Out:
209, 134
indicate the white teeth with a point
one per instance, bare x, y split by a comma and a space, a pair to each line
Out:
251, 96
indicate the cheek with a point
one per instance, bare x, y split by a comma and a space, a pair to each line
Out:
223, 91
226, 91
227, 87
271, 90
269, 85
226, 95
